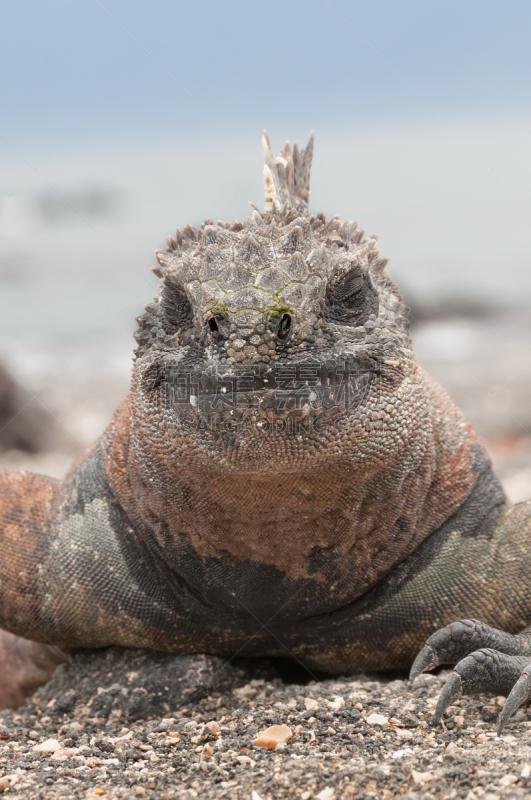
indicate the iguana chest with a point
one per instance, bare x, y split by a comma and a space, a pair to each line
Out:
338, 528
344, 527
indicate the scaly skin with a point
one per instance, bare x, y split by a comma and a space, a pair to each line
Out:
283, 477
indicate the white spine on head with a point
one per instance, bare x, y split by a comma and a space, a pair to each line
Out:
287, 177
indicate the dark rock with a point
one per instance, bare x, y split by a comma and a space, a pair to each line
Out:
136, 684
24, 423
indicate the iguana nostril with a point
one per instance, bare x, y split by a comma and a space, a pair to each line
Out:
213, 325
284, 326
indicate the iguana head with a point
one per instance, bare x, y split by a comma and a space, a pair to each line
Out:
269, 335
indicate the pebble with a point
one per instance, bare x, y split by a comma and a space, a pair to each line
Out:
273, 737
377, 719
48, 746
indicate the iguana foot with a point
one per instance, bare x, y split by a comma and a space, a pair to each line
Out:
486, 660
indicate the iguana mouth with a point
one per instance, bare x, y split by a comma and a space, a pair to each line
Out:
291, 397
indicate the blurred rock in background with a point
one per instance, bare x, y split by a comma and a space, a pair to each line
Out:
30, 436
482, 357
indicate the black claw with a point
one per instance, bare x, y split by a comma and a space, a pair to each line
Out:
452, 689
427, 659
520, 693
500, 664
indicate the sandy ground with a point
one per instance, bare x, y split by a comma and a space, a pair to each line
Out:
132, 724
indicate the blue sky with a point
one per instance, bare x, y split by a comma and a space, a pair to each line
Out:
110, 68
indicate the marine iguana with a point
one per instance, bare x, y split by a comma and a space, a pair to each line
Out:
282, 479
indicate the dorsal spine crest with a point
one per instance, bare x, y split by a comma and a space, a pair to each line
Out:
287, 177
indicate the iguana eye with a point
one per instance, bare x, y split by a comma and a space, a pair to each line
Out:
351, 299
349, 286
176, 308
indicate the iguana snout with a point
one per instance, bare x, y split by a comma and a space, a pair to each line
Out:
294, 397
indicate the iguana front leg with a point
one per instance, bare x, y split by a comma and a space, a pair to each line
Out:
28, 506
486, 658
68, 554
29, 510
